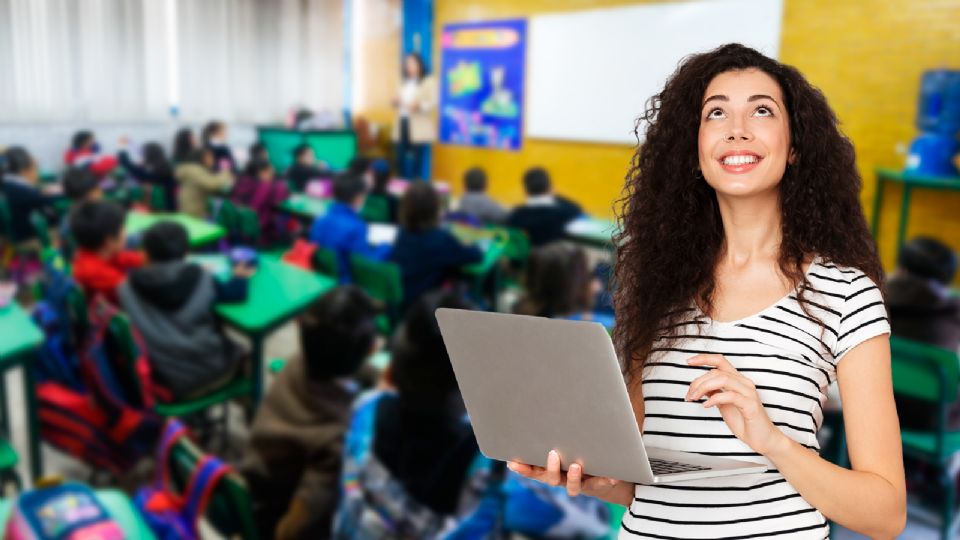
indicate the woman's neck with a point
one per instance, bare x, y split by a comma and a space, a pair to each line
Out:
751, 228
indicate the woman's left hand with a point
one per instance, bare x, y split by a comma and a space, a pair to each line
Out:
736, 397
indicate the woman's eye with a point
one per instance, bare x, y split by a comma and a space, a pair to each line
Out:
763, 111
715, 113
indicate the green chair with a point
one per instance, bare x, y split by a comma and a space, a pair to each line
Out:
376, 209
8, 467
932, 375
121, 336
326, 262
158, 199
229, 510
41, 228
382, 281
517, 248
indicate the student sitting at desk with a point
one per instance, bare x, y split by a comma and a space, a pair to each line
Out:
380, 190
184, 143
923, 309
412, 467
342, 229
79, 186
294, 457
19, 185
305, 168
155, 170
544, 215
259, 189
427, 254
170, 301
558, 283
198, 181
85, 152
100, 264
476, 202
214, 138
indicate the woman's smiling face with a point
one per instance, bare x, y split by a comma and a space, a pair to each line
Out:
744, 140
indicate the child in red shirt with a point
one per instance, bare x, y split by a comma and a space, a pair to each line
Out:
101, 264
85, 152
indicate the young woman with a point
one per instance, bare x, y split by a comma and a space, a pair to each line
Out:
747, 284
416, 124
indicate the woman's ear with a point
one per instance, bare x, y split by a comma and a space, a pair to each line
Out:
792, 156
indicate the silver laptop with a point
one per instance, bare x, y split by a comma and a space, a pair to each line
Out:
533, 384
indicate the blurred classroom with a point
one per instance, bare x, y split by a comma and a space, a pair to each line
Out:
225, 226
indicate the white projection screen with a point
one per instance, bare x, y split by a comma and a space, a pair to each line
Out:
590, 73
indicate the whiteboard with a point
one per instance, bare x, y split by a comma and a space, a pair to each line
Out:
590, 73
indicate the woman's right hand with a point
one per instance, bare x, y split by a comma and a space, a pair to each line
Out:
607, 489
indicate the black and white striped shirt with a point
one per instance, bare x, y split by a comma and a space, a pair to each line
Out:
791, 360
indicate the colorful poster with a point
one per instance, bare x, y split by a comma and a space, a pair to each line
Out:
481, 83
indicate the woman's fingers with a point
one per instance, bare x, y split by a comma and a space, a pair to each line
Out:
727, 398
712, 360
553, 476
720, 381
574, 479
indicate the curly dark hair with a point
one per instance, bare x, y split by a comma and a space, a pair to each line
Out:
671, 235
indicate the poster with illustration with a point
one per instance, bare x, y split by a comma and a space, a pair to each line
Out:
481, 83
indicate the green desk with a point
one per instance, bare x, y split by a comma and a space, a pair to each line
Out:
278, 292
492, 243
592, 231
200, 232
19, 339
304, 207
910, 182
117, 505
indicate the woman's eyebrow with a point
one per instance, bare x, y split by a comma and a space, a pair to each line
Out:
718, 97
762, 96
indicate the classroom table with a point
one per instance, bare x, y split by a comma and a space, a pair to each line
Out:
18, 348
116, 503
278, 292
199, 232
910, 181
304, 206
591, 231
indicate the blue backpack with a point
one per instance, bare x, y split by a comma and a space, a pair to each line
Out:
69, 511
170, 514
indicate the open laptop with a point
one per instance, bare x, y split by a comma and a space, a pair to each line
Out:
532, 384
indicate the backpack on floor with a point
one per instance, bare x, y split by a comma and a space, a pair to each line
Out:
100, 424
69, 511
170, 514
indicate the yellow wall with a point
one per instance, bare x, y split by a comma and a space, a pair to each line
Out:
867, 57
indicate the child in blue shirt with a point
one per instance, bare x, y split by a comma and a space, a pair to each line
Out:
342, 229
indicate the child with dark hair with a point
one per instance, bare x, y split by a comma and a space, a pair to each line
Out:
544, 216
100, 263
155, 170
19, 184
199, 181
558, 283
294, 457
922, 308
256, 153
342, 229
170, 301
476, 202
214, 138
427, 254
260, 190
184, 143
380, 192
412, 467
305, 168
81, 185
85, 152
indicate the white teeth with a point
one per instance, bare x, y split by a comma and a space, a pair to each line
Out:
740, 160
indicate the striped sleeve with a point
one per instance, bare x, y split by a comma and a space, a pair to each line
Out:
863, 316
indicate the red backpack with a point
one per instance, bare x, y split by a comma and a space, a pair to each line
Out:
107, 424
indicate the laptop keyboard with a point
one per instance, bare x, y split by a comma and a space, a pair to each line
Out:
662, 466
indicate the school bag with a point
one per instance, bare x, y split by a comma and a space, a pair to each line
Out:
108, 423
173, 515
68, 511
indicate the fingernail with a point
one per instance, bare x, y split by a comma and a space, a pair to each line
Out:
511, 466
553, 453
575, 468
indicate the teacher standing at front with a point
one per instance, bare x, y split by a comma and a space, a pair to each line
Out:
416, 125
